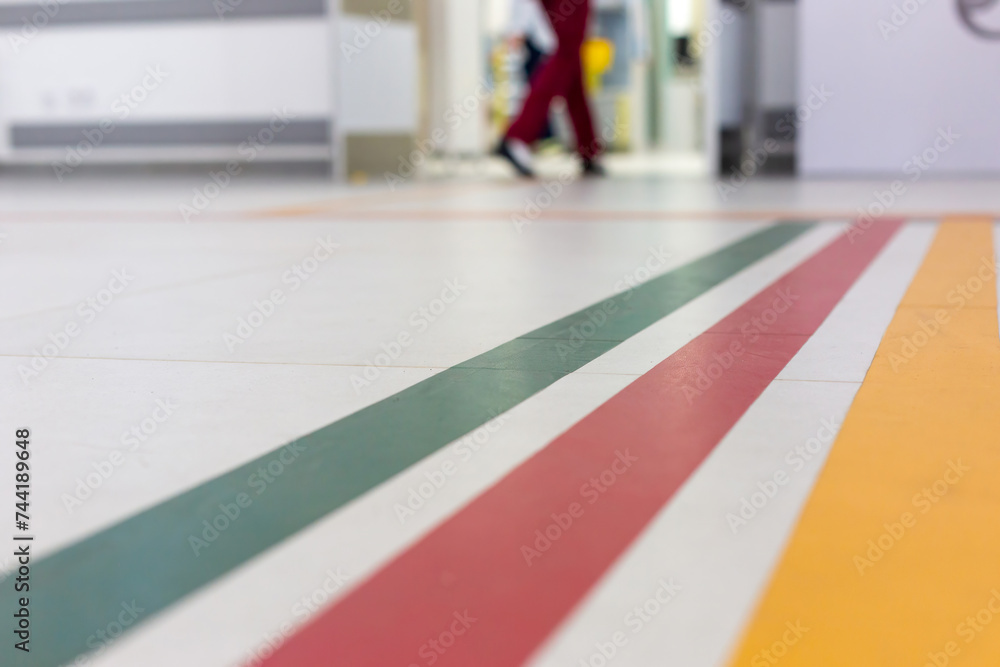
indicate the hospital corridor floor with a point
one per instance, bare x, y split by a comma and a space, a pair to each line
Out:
487, 424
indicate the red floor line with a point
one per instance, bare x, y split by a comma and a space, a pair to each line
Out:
466, 595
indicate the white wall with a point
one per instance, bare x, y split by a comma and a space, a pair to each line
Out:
457, 71
227, 71
712, 78
892, 92
730, 54
215, 70
777, 45
379, 85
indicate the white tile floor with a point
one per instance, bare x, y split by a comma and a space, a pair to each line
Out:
162, 338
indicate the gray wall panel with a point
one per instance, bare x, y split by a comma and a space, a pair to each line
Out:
165, 134
130, 11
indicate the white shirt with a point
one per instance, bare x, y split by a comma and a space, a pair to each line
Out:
528, 19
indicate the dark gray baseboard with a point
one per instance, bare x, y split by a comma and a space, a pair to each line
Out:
217, 133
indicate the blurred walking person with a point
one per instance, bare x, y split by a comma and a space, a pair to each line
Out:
561, 76
530, 30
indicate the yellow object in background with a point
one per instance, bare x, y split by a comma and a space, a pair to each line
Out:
500, 111
598, 55
622, 137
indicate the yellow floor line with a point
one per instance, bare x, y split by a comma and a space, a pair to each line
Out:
357, 209
896, 559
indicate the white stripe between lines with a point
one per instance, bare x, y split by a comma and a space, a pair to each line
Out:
224, 621
720, 564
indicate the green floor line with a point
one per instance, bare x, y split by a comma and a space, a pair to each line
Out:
79, 593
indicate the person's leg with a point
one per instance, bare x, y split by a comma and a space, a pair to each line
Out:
548, 83
534, 61
562, 71
569, 20
587, 144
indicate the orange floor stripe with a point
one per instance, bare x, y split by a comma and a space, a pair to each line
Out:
896, 560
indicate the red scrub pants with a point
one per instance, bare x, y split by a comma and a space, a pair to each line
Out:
561, 76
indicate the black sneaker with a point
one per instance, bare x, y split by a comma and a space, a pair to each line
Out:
593, 169
524, 169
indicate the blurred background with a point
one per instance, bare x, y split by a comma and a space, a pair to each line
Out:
688, 86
